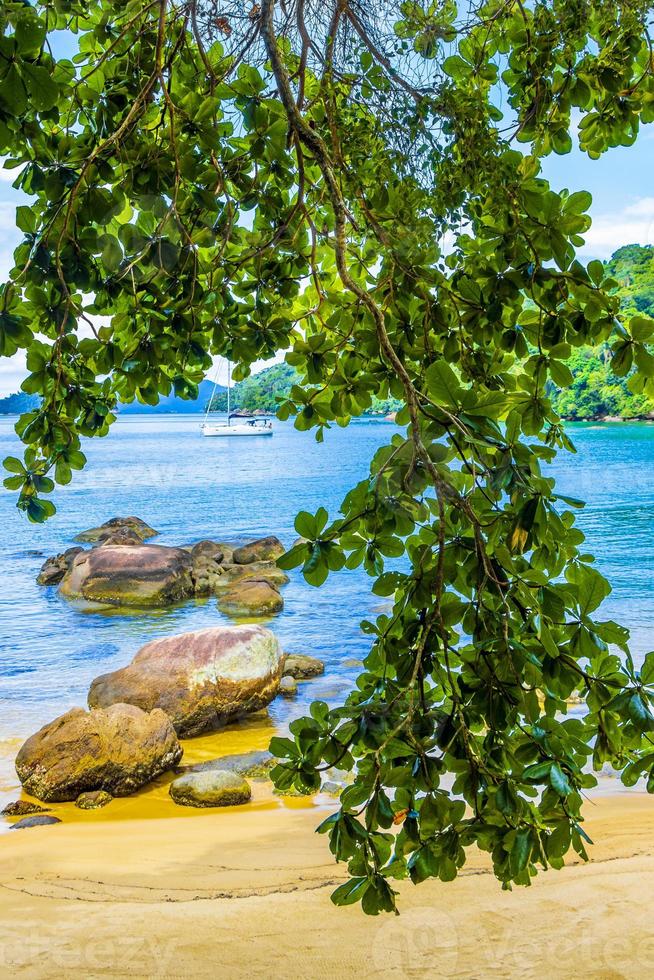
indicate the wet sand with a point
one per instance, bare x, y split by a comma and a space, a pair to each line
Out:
245, 893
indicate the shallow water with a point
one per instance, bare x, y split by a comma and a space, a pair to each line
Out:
162, 470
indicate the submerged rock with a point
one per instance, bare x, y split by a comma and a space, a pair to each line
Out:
94, 800
54, 569
21, 808
117, 750
263, 549
302, 667
251, 598
288, 686
202, 680
40, 820
130, 575
213, 787
256, 765
135, 524
261, 571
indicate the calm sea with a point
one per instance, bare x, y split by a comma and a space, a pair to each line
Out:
162, 470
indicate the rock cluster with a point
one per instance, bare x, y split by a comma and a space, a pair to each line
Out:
177, 686
121, 570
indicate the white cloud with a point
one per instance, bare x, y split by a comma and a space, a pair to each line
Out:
643, 208
12, 373
633, 225
9, 176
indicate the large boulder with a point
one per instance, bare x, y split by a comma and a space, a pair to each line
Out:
117, 750
251, 598
135, 524
263, 549
54, 569
131, 575
215, 787
202, 680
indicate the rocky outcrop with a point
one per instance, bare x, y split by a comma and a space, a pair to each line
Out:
94, 800
117, 750
215, 787
130, 575
263, 549
302, 667
202, 680
22, 808
54, 569
251, 598
135, 524
39, 820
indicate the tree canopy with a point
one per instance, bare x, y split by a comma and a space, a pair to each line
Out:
360, 184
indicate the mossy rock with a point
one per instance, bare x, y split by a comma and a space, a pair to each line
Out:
211, 788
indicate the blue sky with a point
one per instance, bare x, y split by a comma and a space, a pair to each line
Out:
621, 182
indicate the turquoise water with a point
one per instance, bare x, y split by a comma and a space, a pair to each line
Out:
162, 470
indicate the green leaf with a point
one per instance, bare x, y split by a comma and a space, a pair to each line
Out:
443, 385
559, 781
350, 892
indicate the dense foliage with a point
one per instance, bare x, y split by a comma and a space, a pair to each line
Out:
360, 184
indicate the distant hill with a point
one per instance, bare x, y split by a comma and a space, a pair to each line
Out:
20, 402
259, 392
169, 404
633, 267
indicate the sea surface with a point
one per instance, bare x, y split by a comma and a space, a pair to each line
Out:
161, 469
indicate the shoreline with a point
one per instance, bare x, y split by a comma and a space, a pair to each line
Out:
173, 898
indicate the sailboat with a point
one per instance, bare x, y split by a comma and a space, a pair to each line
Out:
241, 427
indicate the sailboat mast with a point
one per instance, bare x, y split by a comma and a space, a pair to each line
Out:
229, 388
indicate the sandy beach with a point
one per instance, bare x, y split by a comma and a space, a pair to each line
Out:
228, 894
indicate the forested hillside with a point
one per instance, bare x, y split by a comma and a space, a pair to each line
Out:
263, 392
596, 392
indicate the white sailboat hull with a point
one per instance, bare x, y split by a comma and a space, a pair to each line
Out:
221, 430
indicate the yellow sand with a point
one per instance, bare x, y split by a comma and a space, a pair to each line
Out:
245, 893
